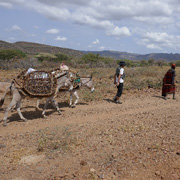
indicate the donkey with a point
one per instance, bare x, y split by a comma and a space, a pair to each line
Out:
84, 82
62, 80
4, 88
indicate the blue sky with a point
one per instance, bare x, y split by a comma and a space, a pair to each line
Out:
136, 26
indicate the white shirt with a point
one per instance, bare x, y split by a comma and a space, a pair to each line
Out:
121, 72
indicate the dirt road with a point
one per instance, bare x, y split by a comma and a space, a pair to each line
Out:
136, 140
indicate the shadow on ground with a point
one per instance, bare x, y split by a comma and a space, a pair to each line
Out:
109, 100
160, 97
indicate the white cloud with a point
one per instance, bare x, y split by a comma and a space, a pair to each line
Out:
52, 31
6, 5
16, 28
158, 37
153, 46
59, 38
96, 41
102, 48
117, 31
51, 12
155, 20
156, 40
11, 3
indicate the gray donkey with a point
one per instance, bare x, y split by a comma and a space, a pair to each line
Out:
86, 82
62, 80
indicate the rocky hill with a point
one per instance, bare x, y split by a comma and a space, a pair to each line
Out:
34, 48
133, 56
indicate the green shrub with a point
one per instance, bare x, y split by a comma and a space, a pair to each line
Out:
7, 54
62, 57
143, 63
90, 57
52, 57
176, 62
45, 56
96, 59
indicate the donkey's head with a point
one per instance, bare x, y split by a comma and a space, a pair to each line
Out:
88, 82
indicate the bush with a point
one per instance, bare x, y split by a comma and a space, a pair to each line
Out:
52, 57
90, 57
62, 57
143, 63
45, 56
6, 54
94, 60
176, 62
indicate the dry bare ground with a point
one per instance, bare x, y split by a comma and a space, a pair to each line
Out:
136, 140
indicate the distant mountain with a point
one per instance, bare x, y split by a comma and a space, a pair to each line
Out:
133, 56
34, 48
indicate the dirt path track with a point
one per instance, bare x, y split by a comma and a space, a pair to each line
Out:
138, 139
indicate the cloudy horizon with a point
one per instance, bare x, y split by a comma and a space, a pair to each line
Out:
135, 26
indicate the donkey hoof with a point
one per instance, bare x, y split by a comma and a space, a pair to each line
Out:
24, 119
4, 125
44, 116
73, 106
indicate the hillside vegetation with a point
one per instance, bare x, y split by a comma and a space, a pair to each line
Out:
35, 48
16, 58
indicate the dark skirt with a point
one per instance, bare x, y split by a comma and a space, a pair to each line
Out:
168, 89
168, 83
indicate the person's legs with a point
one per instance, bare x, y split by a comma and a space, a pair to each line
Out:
119, 92
164, 90
174, 95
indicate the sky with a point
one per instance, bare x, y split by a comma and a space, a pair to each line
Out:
134, 26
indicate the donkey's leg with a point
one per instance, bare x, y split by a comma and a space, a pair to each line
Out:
37, 105
45, 106
71, 99
10, 106
19, 110
77, 98
15, 100
56, 105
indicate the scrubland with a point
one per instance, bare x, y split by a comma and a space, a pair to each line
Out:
135, 140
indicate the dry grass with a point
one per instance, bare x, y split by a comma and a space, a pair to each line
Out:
137, 78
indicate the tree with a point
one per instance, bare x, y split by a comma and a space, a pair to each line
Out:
150, 62
161, 63
143, 63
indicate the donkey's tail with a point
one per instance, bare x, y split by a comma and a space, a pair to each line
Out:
8, 90
1, 102
91, 76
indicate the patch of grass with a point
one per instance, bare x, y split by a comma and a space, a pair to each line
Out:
56, 139
88, 96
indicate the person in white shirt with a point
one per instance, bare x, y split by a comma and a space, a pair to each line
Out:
119, 80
